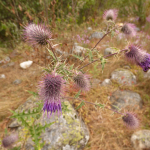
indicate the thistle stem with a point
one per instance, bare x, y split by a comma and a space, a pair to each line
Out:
95, 104
52, 50
99, 42
103, 57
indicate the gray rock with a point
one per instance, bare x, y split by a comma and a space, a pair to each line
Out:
78, 50
17, 81
124, 77
2, 76
108, 51
121, 99
96, 35
147, 74
89, 28
67, 133
95, 83
137, 29
106, 82
11, 64
141, 140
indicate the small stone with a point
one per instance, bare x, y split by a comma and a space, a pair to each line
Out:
17, 82
96, 35
78, 50
147, 74
2, 76
26, 64
89, 28
122, 99
108, 51
106, 82
141, 140
11, 64
124, 77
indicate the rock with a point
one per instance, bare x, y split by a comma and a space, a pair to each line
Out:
96, 35
95, 83
78, 50
141, 140
124, 77
122, 99
89, 28
26, 64
7, 59
11, 64
147, 74
63, 54
17, 81
106, 82
67, 133
2, 76
108, 51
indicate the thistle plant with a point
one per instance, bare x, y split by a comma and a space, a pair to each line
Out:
60, 74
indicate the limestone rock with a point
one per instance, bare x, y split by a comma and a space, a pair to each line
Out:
124, 77
67, 133
141, 140
17, 81
106, 82
96, 35
108, 51
147, 74
78, 50
26, 64
123, 99
2, 76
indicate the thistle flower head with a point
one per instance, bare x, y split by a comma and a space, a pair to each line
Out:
9, 140
136, 55
37, 34
50, 89
110, 14
82, 81
129, 29
130, 120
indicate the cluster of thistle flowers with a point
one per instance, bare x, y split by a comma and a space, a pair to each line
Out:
134, 54
51, 87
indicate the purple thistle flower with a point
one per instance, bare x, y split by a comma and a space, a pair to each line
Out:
9, 140
130, 120
110, 14
37, 34
82, 81
50, 89
129, 29
139, 57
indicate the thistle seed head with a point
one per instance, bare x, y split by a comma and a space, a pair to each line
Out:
130, 120
82, 81
9, 140
50, 89
139, 57
129, 29
110, 14
37, 34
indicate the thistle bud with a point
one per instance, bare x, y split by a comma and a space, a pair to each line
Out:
130, 120
110, 14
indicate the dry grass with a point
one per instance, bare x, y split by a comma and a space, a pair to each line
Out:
106, 129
